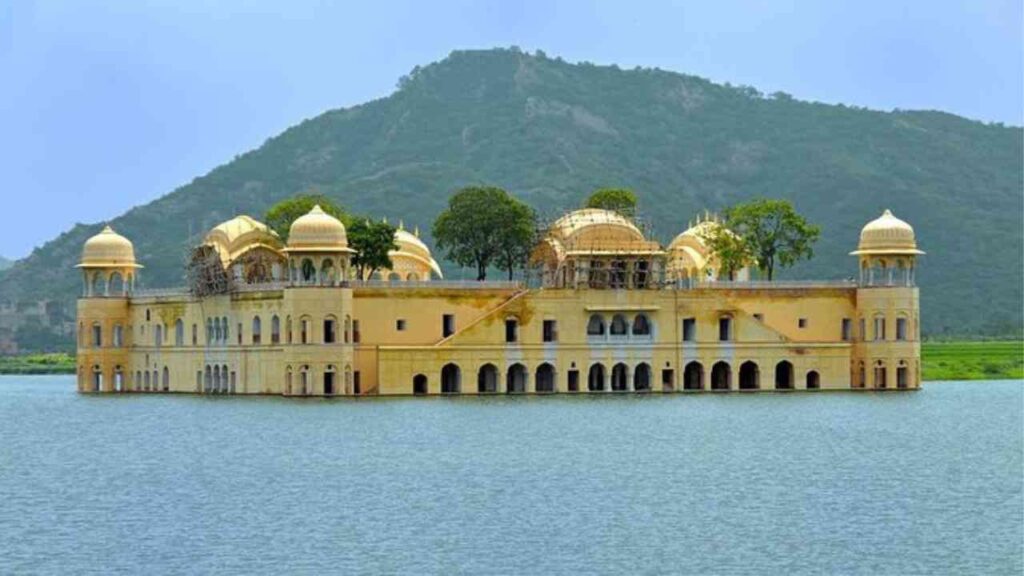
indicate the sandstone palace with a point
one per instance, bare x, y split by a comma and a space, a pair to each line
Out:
608, 310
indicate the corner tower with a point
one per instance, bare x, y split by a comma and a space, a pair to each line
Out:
887, 350
108, 276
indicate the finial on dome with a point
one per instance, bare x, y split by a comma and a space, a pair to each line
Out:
416, 231
107, 230
401, 224
316, 209
887, 213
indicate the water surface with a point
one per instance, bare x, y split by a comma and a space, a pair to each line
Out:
896, 483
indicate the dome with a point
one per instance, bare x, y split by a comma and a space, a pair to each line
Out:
317, 231
577, 222
412, 250
239, 235
887, 234
108, 249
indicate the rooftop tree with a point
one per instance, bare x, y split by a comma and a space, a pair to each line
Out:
619, 200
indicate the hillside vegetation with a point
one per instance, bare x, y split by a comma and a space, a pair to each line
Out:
550, 132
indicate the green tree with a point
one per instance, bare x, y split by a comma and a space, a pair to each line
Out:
372, 241
281, 215
620, 200
483, 225
516, 236
769, 232
731, 251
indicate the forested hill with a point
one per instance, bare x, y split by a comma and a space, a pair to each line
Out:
550, 132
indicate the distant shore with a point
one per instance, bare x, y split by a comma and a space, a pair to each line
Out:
958, 360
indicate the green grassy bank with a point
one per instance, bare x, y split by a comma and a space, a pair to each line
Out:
999, 360
38, 364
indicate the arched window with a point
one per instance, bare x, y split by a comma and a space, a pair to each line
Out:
394, 277
99, 285
329, 380
347, 335
451, 379
813, 380
209, 331
224, 330
412, 277
641, 325
195, 335
721, 376
515, 379
487, 379
595, 326
619, 325
348, 380
288, 381
304, 384
595, 378
620, 376
179, 332
902, 375
419, 384
145, 384
116, 286
784, 375
166, 380
257, 330
545, 381
642, 377
693, 376
288, 328
275, 330
304, 335
750, 376
327, 272
97, 378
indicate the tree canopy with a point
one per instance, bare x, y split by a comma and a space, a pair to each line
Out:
621, 200
484, 225
768, 232
372, 241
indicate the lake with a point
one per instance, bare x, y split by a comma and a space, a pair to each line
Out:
800, 483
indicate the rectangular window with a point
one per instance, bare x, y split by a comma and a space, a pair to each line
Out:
668, 380
511, 330
400, 325
863, 329
97, 336
901, 328
802, 323
880, 328
330, 337
447, 325
303, 331
195, 335
574, 380
689, 329
355, 332
550, 331
847, 330
239, 333
725, 329
356, 382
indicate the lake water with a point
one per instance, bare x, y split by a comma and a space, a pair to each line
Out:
895, 483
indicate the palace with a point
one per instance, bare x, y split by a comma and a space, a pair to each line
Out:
610, 311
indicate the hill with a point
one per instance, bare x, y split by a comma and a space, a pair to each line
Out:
550, 132
5, 263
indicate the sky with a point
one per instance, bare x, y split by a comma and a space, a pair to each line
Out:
109, 105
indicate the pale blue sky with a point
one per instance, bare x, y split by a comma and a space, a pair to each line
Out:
107, 105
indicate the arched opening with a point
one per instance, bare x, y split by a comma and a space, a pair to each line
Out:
308, 271
275, 330
902, 375
158, 335
394, 277
208, 379
304, 335
693, 376
99, 285
327, 272
641, 325
487, 379
97, 378
166, 381
287, 381
412, 277
595, 326
721, 376
880, 374
329, 380
347, 329
304, 383
419, 384
348, 379
784, 375
750, 376
145, 380
116, 284
642, 377
515, 380
620, 378
813, 380
545, 378
619, 325
595, 378
119, 384
451, 379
